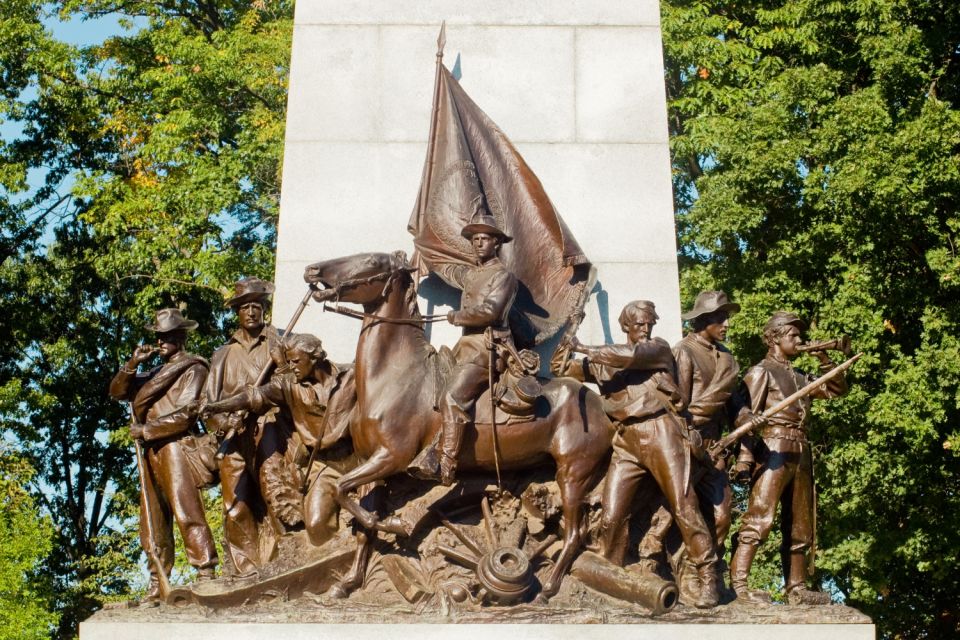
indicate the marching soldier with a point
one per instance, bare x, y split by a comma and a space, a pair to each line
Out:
785, 473
707, 377
233, 367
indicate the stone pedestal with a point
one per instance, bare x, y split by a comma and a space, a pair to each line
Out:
293, 631
577, 613
577, 86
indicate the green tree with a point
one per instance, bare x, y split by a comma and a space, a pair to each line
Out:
25, 539
816, 149
159, 154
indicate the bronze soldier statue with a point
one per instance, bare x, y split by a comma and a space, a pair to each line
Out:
317, 396
488, 293
640, 393
707, 377
785, 473
162, 402
233, 367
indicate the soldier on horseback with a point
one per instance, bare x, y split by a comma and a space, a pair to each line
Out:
488, 293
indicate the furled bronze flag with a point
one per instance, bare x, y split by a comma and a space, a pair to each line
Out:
471, 166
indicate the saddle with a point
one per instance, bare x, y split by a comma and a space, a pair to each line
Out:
516, 392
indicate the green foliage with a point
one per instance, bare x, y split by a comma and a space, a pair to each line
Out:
159, 151
816, 149
25, 539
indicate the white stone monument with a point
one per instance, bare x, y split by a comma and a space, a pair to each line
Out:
576, 85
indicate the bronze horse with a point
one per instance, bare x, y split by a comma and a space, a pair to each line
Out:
397, 382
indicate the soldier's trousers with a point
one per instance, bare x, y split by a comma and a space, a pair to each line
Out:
174, 496
653, 447
785, 477
242, 503
467, 381
714, 493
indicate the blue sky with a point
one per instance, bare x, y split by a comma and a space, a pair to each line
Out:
80, 33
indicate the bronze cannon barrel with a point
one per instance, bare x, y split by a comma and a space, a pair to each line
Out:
650, 591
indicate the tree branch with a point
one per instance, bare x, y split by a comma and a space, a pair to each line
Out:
173, 280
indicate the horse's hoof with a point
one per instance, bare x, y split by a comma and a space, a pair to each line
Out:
549, 590
395, 525
541, 599
338, 592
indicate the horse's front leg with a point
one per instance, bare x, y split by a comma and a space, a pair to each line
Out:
573, 489
377, 467
380, 465
365, 539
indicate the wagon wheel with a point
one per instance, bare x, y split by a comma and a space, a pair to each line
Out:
501, 566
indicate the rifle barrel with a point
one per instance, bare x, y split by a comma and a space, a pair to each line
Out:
743, 429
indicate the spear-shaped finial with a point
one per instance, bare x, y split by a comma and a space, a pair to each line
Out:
442, 39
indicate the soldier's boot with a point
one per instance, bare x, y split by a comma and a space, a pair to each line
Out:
152, 596
727, 594
613, 541
450, 449
688, 579
205, 574
797, 591
740, 571
709, 596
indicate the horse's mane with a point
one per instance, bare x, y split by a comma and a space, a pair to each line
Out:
412, 308
410, 297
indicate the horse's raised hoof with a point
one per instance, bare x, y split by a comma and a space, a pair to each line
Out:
338, 592
395, 525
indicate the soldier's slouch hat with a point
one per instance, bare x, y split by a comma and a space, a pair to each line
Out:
170, 320
709, 302
484, 223
250, 290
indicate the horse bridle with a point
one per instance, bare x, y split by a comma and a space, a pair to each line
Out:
360, 315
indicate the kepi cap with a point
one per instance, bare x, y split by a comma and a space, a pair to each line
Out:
782, 319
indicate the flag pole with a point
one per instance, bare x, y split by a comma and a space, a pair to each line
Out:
432, 137
432, 140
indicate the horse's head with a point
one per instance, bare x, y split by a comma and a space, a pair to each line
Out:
362, 278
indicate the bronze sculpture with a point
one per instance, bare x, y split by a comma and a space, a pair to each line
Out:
164, 419
350, 427
488, 292
785, 473
317, 396
706, 377
641, 395
233, 367
398, 383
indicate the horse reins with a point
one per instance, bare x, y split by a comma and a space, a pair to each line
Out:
360, 315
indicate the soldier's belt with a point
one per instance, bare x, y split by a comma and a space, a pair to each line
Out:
784, 433
639, 421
